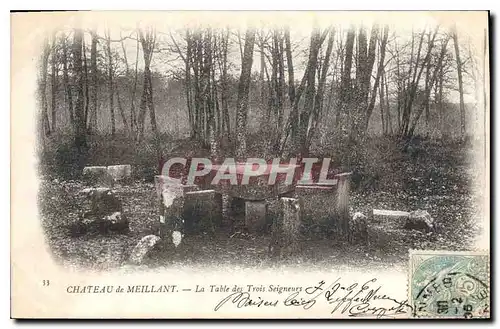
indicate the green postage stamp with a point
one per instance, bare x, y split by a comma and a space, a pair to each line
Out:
449, 284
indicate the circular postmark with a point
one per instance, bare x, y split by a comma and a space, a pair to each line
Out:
451, 286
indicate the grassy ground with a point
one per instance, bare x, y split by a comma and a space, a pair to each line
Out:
436, 179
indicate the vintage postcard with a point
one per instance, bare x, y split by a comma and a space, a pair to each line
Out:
232, 164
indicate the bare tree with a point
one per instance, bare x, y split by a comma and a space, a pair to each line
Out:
109, 57
66, 82
43, 87
53, 80
380, 70
345, 83
80, 131
460, 83
243, 90
148, 41
94, 82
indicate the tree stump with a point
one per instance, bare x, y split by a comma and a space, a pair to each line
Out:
285, 237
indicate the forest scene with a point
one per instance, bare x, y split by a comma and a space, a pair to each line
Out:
399, 111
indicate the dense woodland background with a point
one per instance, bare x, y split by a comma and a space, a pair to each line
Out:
136, 95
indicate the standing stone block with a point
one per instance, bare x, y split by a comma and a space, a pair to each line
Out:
342, 203
171, 204
164, 182
227, 216
97, 176
120, 173
391, 218
318, 204
255, 216
285, 237
202, 211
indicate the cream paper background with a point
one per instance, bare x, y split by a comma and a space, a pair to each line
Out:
31, 261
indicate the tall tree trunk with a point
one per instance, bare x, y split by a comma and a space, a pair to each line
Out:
243, 90
440, 104
148, 41
225, 86
94, 82
318, 101
460, 83
43, 87
80, 131
431, 83
310, 92
86, 77
120, 107
132, 87
382, 106
345, 82
380, 69
110, 84
133, 115
67, 87
187, 81
289, 62
53, 102
387, 107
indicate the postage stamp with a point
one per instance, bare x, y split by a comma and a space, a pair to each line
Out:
449, 284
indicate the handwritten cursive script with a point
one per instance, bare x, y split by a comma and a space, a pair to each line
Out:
357, 299
354, 299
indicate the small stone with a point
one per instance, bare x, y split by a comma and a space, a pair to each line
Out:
420, 220
143, 249
177, 238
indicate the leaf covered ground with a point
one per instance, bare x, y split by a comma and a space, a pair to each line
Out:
437, 181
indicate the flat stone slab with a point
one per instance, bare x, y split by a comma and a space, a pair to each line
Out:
390, 213
164, 182
418, 219
120, 172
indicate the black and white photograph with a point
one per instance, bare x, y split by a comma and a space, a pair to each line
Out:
318, 141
